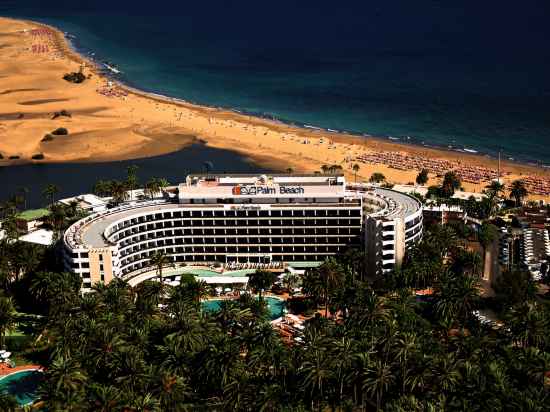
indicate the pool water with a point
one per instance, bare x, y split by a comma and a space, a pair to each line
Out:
274, 305
22, 385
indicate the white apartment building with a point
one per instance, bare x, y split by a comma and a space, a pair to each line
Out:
245, 219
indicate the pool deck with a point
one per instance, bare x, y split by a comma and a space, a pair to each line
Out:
10, 371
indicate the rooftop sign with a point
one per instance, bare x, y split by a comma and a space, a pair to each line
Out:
252, 190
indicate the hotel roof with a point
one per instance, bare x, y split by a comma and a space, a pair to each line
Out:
245, 175
89, 232
263, 186
400, 205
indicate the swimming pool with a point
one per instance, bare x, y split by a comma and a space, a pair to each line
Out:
274, 305
22, 385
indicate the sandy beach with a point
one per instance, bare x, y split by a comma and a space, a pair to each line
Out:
109, 121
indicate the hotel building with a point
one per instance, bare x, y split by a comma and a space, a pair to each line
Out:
245, 219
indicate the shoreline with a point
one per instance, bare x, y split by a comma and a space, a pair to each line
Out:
213, 126
406, 141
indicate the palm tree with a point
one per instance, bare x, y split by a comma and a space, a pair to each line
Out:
343, 362
175, 392
67, 383
55, 291
316, 369
445, 370
162, 184
406, 346
261, 280
58, 219
495, 188
189, 287
325, 169
152, 187
336, 168
528, 325
149, 296
355, 169
102, 188
24, 258
456, 297
518, 191
131, 179
8, 403
467, 261
289, 170
442, 239
49, 192
119, 191
422, 177
451, 183
377, 177
7, 318
313, 286
291, 281
105, 398
493, 191
332, 277
378, 381
24, 194
159, 259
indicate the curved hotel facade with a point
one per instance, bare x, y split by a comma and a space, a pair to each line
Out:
230, 219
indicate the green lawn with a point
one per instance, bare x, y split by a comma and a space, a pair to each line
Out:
21, 339
22, 335
33, 214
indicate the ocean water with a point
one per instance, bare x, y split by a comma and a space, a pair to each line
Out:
465, 74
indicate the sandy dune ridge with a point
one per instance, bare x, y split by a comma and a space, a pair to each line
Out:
110, 121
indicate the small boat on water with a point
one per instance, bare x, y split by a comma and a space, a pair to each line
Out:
112, 68
470, 150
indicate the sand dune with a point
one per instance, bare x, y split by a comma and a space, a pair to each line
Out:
42, 101
10, 91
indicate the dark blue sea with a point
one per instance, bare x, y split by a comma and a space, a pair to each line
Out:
466, 74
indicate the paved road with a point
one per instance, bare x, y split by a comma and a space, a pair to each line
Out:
491, 269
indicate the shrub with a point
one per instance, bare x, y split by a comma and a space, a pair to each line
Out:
301, 305
13, 157
64, 113
60, 132
74, 77
1, 156
47, 138
18, 343
37, 156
